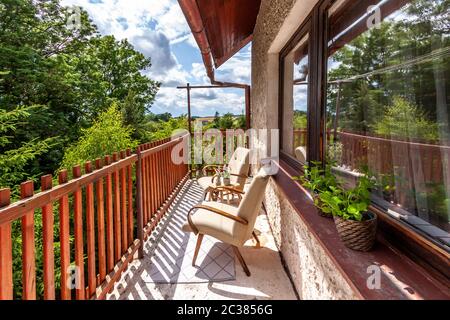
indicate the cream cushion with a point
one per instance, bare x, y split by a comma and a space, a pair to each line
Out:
228, 230
215, 225
300, 154
239, 165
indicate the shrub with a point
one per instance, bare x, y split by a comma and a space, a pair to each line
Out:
406, 120
106, 136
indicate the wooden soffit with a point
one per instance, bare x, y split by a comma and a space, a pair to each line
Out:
221, 27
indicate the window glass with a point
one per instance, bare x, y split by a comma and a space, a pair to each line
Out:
388, 106
295, 101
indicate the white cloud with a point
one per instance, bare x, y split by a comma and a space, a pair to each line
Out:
238, 68
153, 27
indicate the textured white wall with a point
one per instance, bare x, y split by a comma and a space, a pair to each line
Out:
313, 272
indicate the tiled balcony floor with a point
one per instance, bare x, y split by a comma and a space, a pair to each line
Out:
268, 280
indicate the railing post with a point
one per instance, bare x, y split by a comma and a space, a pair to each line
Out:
6, 256
28, 246
140, 217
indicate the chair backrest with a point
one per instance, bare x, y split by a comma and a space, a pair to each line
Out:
239, 165
251, 203
300, 154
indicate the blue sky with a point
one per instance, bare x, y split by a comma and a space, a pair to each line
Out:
159, 30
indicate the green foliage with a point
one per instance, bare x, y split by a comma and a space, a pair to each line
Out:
349, 204
216, 122
335, 152
71, 75
14, 160
316, 179
438, 201
160, 129
300, 120
405, 119
111, 71
106, 136
332, 198
364, 101
226, 121
240, 122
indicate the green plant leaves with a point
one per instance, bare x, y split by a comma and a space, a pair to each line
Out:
333, 198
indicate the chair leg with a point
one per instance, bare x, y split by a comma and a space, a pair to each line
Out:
258, 243
197, 248
242, 261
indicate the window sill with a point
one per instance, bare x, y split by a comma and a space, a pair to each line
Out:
401, 277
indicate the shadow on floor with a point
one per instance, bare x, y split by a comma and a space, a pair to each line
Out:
268, 280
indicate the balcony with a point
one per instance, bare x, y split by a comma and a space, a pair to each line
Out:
120, 237
169, 249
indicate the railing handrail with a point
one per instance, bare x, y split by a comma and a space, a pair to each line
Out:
117, 211
410, 143
148, 152
18, 209
384, 139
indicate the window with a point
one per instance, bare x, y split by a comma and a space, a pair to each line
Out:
295, 99
387, 106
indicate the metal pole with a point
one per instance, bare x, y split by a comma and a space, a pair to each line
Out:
338, 104
188, 89
247, 107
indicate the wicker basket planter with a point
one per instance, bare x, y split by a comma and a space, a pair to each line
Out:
357, 235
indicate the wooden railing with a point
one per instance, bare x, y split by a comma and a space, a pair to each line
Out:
301, 137
385, 155
411, 160
100, 215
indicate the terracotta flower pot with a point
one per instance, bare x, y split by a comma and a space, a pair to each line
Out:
357, 235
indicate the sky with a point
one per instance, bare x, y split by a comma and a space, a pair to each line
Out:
159, 30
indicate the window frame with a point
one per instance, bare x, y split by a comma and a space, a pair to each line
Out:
304, 30
424, 250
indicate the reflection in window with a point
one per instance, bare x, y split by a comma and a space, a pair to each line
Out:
295, 101
388, 107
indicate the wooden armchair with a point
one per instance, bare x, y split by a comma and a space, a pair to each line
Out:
238, 168
227, 223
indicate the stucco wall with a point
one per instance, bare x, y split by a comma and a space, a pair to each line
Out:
312, 271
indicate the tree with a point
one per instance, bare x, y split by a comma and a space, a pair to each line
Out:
71, 74
110, 71
160, 129
406, 119
226, 121
216, 122
423, 31
14, 160
240, 122
300, 119
106, 136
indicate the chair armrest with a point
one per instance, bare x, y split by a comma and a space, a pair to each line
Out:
239, 175
217, 169
213, 210
230, 189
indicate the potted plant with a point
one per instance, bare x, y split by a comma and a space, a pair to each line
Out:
318, 180
355, 224
226, 178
